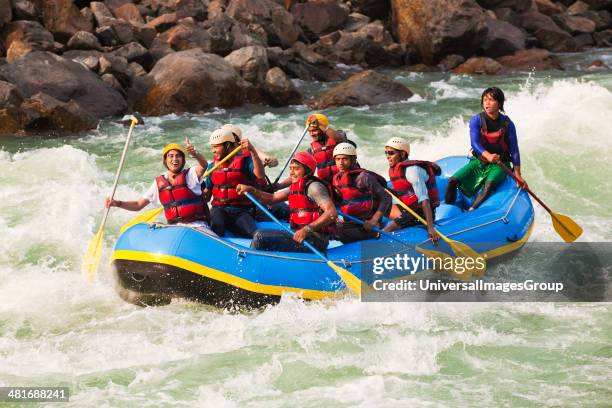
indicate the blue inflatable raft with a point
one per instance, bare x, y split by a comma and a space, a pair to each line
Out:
154, 263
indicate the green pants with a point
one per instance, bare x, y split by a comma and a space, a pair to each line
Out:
473, 175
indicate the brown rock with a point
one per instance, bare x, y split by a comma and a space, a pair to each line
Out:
215, 9
548, 7
251, 63
159, 49
364, 88
136, 70
451, 61
113, 82
376, 32
578, 7
603, 38
176, 84
597, 65
320, 16
599, 4
25, 10
101, 13
576, 24
144, 34
280, 89
191, 8
355, 21
116, 66
547, 32
584, 40
436, 28
83, 40
130, 13
532, 59
186, 36
28, 32
63, 19
52, 115
134, 52
278, 23
163, 22
508, 15
13, 121
6, 12
9, 95
502, 39
90, 59
480, 65
63, 79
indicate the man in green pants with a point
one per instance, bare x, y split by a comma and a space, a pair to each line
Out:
493, 140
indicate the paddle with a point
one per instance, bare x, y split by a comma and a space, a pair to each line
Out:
94, 250
564, 225
459, 248
151, 215
291, 155
361, 222
348, 278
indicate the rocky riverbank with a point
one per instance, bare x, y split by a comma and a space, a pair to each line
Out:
67, 64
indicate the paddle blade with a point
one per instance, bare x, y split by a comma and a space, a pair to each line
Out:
349, 279
566, 227
144, 218
89, 267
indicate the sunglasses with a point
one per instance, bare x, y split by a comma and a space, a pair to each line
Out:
390, 152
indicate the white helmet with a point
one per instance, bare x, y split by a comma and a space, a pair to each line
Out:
346, 149
221, 136
234, 129
398, 143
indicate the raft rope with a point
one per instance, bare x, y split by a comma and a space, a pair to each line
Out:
244, 250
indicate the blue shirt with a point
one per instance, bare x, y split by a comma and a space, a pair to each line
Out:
417, 176
475, 126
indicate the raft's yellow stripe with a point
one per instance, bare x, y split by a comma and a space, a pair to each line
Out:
218, 275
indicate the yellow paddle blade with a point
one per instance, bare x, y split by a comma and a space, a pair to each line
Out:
566, 227
89, 267
144, 218
462, 250
349, 279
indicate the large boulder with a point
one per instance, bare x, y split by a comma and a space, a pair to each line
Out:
479, 65
502, 39
190, 81
22, 37
531, 60
320, 16
436, 28
364, 88
251, 63
280, 89
64, 80
63, 19
9, 95
549, 35
278, 23
48, 114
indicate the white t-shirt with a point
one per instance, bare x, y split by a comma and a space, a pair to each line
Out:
193, 182
417, 176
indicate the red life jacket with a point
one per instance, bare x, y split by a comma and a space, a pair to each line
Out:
324, 155
403, 188
180, 203
355, 202
303, 209
495, 142
225, 179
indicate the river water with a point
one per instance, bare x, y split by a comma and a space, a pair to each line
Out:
56, 329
